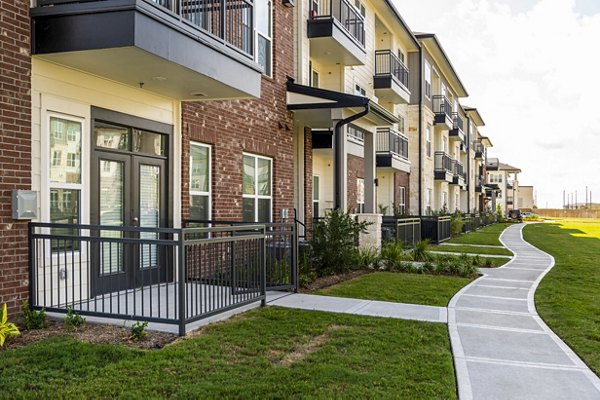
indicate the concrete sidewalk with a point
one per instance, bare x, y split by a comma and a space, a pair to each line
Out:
359, 307
502, 348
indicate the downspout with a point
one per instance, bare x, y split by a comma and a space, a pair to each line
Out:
337, 162
420, 130
468, 164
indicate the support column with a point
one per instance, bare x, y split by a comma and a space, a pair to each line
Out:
370, 174
340, 164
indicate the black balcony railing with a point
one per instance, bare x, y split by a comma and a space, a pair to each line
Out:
479, 150
230, 21
390, 141
441, 105
386, 63
458, 169
343, 12
457, 121
443, 162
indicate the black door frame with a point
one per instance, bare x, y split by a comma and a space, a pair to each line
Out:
132, 161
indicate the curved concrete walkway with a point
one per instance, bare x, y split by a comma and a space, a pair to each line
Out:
502, 348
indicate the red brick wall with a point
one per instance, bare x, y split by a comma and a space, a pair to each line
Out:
260, 126
308, 179
15, 147
356, 168
402, 179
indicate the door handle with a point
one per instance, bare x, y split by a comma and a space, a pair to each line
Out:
136, 220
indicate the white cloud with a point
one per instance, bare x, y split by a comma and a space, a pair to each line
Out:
531, 68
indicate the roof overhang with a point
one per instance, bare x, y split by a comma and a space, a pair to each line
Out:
474, 115
486, 141
398, 25
433, 46
314, 106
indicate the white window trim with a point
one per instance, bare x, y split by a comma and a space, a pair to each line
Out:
257, 196
428, 75
269, 38
428, 141
402, 199
318, 200
193, 192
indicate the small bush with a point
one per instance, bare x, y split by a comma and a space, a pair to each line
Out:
456, 224
73, 321
392, 254
367, 259
138, 331
420, 253
7, 329
33, 319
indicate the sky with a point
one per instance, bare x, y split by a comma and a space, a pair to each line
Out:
532, 69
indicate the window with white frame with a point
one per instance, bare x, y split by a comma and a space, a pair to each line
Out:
359, 91
314, 78
444, 200
400, 55
402, 201
65, 185
428, 140
360, 7
427, 79
257, 188
428, 198
264, 38
360, 195
316, 195
200, 185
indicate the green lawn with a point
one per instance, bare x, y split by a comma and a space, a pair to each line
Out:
432, 290
263, 354
488, 235
568, 298
472, 250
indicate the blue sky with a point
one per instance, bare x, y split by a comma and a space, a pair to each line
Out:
531, 68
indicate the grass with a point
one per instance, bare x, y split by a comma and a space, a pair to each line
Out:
266, 353
568, 298
496, 262
472, 250
400, 288
488, 235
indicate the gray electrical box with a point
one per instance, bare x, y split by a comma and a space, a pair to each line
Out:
24, 204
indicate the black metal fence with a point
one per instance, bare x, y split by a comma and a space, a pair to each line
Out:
170, 276
442, 162
390, 141
468, 223
342, 11
435, 228
441, 105
387, 63
457, 121
405, 230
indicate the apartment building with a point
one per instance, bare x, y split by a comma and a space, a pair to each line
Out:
436, 131
350, 103
173, 110
503, 179
478, 147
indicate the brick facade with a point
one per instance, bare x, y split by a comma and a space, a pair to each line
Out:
402, 179
308, 180
259, 126
356, 168
15, 147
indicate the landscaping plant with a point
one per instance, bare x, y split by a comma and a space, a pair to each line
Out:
392, 254
73, 321
138, 331
33, 319
456, 224
7, 329
420, 253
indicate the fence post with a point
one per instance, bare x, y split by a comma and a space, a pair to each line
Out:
263, 268
295, 256
181, 284
32, 277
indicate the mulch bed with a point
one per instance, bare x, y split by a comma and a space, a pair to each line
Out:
326, 281
92, 333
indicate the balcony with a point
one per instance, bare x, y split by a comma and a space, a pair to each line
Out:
182, 49
392, 150
337, 33
479, 184
479, 151
443, 167
459, 174
442, 109
391, 78
457, 131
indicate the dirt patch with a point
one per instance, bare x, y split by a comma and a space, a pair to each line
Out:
92, 333
327, 281
305, 349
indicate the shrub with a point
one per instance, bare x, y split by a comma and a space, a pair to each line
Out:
7, 329
138, 331
334, 243
392, 254
420, 253
367, 259
73, 321
33, 319
456, 224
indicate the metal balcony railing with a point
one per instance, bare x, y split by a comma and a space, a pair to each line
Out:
342, 11
479, 149
441, 105
230, 21
458, 169
442, 162
390, 141
386, 63
457, 121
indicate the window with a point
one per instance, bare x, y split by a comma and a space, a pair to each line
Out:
65, 180
256, 188
445, 145
359, 91
360, 195
400, 55
314, 78
264, 42
428, 198
316, 195
444, 200
428, 141
400, 123
360, 7
356, 134
402, 201
200, 181
427, 80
